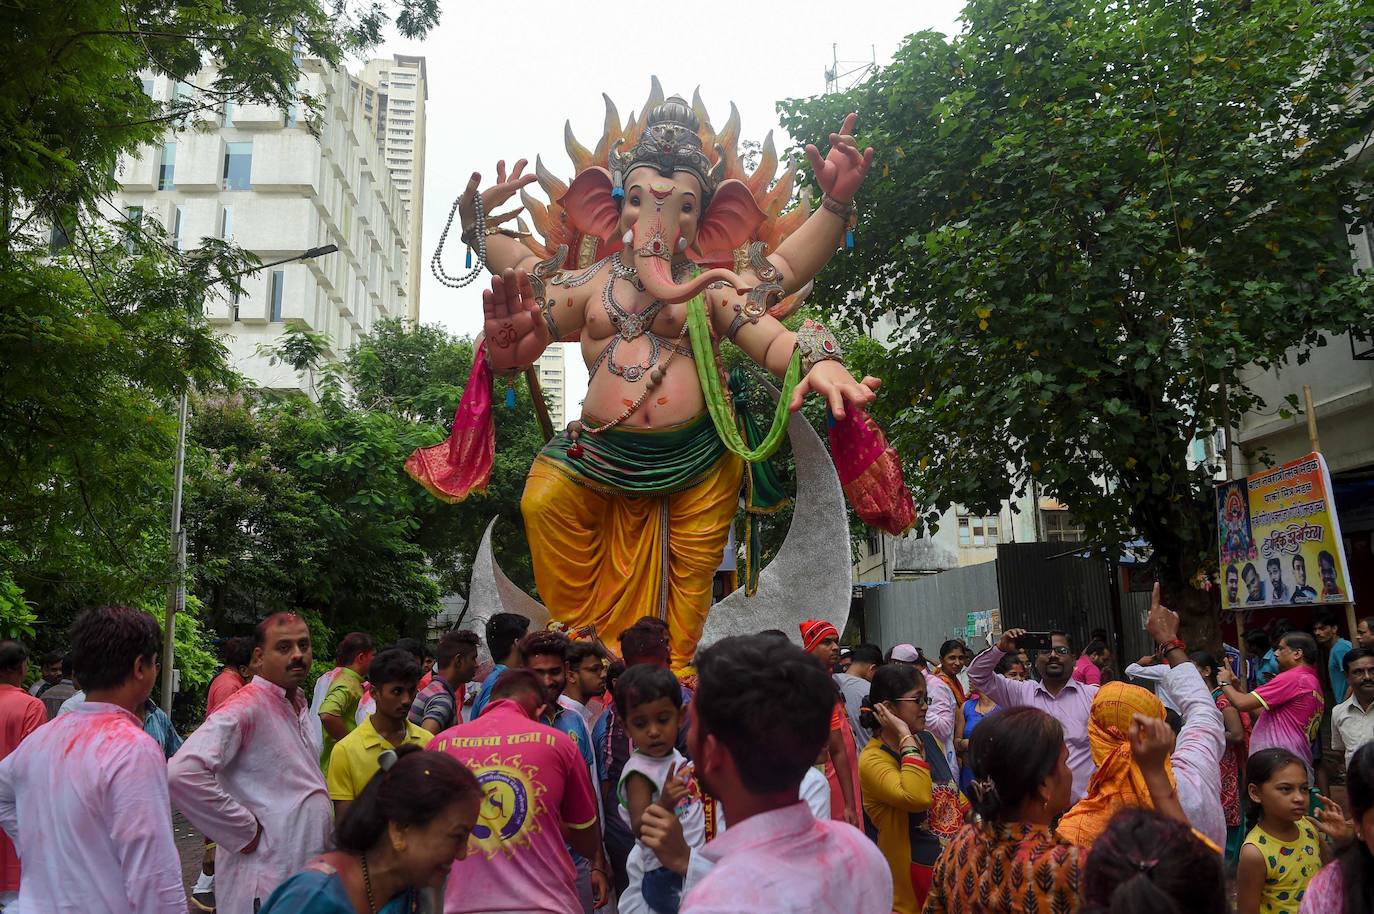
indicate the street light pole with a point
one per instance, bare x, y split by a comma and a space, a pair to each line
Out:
176, 601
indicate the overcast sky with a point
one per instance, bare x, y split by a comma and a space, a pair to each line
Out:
503, 78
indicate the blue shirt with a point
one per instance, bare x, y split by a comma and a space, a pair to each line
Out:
1266, 669
314, 892
571, 723
1335, 665
158, 725
479, 703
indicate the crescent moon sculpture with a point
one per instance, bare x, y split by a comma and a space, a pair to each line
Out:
491, 592
809, 578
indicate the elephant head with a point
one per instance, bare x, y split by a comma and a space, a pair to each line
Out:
663, 203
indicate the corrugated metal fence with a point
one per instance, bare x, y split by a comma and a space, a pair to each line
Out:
1036, 586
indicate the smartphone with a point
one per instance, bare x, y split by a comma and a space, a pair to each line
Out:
1035, 641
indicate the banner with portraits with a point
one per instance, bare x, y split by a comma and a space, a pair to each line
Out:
1279, 538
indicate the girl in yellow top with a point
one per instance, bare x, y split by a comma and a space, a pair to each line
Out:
1285, 849
912, 804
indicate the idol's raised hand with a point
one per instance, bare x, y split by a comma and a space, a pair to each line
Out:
504, 188
515, 330
844, 169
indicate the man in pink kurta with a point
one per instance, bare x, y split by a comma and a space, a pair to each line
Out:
249, 777
760, 716
20, 715
85, 797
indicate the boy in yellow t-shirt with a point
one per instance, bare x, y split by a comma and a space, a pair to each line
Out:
394, 675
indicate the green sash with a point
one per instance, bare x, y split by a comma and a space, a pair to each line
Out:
633, 461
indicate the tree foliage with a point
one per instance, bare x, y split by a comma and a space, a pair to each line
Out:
304, 505
1088, 219
96, 335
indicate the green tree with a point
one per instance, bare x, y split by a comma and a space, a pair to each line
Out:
95, 341
1089, 219
304, 505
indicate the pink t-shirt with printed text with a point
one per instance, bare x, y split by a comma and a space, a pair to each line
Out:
533, 782
1292, 713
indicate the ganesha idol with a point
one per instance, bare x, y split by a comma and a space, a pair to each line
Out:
659, 251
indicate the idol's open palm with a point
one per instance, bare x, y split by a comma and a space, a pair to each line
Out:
515, 330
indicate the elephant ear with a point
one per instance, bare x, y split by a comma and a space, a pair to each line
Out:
590, 207
730, 220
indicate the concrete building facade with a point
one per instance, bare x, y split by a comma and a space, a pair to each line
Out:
394, 95
278, 185
553, 378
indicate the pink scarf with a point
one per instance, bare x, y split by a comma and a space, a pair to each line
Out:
453, 469
870, 472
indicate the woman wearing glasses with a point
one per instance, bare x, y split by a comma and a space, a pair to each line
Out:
912, 804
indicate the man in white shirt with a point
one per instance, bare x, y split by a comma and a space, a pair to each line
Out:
1352, 721
249, 777
760, 717
93, 781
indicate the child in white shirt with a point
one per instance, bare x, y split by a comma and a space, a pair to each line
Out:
649, 700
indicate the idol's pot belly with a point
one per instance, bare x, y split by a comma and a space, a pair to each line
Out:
676, 398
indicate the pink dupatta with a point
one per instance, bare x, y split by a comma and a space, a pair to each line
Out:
870, 472
452, 470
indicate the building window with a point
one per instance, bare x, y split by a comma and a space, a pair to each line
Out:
979, 531
292, 113
133, 215
166, 172
874, 541
58, 236
178, 214
1061, 527
234, 305
238, 163
278, 281
228, 119
226, 223
148, 87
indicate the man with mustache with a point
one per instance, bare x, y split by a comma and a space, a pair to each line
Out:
249, 777
1057, 693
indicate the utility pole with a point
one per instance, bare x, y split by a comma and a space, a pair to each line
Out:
176, 600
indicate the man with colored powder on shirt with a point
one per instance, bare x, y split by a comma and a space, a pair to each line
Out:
761, 716
1088, 669
92, 782
339, 710
504, 631
249, 777
238, 659
1292, 701
1057, 693
393, 675
437, 704
20, 715
535, 791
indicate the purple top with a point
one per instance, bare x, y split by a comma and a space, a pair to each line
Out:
1071, 707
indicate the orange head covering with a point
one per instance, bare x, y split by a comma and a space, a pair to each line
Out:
1118, 781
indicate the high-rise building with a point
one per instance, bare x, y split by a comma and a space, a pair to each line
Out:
553, 378
394, 94
279, 186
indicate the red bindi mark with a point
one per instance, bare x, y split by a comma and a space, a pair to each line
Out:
628, 403
662, 401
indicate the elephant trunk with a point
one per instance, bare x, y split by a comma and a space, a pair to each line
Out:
653, 261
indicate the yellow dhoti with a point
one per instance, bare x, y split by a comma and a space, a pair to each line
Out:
605, 554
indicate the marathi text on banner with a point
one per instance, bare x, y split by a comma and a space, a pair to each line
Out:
1280, 539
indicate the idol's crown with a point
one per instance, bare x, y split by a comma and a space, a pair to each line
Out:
671, 142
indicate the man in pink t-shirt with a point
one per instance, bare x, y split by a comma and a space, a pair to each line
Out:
534, 785
1292, 701
1088, 669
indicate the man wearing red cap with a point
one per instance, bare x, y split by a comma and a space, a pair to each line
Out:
821, 640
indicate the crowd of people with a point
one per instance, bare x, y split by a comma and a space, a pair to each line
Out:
541, 771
